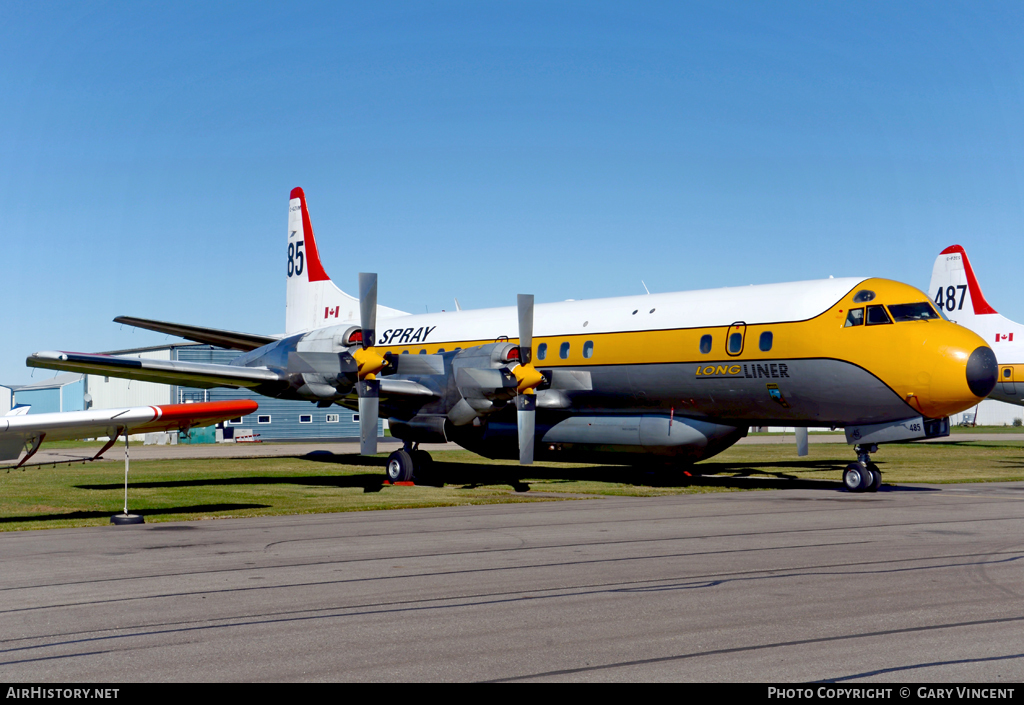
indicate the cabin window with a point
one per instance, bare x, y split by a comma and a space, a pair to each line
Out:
854, 318
735, 343
333, 418
588, 349
863, 296
563, 351
263, 419
542, 351
765, 342
305, 418
877, 316
705, 344
440, 350
423, 352
1006, 373
920, 311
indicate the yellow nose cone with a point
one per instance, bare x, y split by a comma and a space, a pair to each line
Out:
949, 370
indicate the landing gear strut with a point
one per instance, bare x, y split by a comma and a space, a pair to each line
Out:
408, 463
863, 475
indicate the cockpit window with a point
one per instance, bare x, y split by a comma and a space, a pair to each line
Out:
877, 316
912, 312
863, 296
854, 318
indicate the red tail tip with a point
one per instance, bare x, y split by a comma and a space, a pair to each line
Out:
298, 193
981, 306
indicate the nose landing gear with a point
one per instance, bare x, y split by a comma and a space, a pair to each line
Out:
863, 475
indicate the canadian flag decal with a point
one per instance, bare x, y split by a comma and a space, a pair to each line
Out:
328, 311
1004, 337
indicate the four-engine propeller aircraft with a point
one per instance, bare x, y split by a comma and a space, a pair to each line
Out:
958, 295
660, 377
19, 431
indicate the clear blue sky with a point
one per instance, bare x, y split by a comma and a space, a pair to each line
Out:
483, 149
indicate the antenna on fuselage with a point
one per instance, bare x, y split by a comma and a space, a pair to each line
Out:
457, 307
645, 287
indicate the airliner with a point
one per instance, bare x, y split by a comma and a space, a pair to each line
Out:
662, 378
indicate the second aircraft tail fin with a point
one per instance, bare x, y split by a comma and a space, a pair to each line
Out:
955, 289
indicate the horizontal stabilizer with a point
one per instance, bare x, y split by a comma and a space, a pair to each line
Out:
189, 374
210, 336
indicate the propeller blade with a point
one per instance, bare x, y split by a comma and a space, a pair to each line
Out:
526, 419
369, 405
801, 441
526, 404
368, 308
525, 305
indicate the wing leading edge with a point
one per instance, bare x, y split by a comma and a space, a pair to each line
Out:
18, 431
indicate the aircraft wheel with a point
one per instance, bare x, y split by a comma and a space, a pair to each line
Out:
424, 464
856, 477
876, 478
400, 467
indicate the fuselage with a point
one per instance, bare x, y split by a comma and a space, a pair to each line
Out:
768, 354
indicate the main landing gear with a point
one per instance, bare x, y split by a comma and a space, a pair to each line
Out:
863, 475
408, 463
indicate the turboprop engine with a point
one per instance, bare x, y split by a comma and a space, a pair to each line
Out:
483, 380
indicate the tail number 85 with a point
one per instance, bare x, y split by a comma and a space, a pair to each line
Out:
295, 258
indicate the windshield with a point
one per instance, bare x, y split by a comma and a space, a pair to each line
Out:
921, 311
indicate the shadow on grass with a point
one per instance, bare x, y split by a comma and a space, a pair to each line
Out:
367, 482
194, 509
719, 475
470, 475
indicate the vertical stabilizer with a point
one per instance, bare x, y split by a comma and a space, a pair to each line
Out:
955, 290
312, 299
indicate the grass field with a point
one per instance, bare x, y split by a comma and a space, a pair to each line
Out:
176, 490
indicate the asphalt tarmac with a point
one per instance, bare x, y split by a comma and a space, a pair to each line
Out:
917, 583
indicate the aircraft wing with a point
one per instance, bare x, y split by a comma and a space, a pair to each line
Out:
18, 431
210, 336
189, 374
